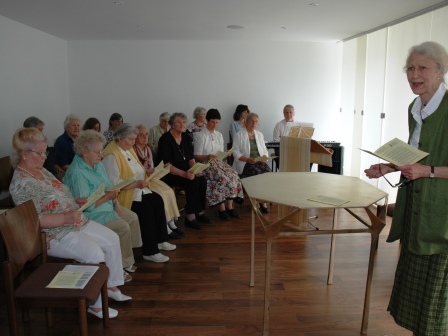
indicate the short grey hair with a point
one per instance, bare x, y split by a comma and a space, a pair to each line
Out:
33, 122
124, 130
25, 139
288, 106
433, 51
69, 118
86, 140
164, 115
252, 115
176, 115
140, 126
198, 111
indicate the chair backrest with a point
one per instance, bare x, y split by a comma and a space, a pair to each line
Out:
6, 173
20, 231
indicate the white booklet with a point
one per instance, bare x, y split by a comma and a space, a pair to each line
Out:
399, 153
159, 172
73, 276
97, 194
123, 183
198, 167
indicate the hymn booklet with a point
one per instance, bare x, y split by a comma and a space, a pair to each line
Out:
123, 183
159, 172
398, 153
198, 168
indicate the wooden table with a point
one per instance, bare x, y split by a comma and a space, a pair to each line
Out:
293, 189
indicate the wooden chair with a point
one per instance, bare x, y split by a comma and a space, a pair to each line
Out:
20, 231
6, 173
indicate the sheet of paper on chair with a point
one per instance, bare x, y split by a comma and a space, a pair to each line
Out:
399, 153
328, 200
73, 276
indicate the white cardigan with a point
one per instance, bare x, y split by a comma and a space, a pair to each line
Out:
241, 147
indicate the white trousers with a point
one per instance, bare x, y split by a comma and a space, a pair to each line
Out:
94, 243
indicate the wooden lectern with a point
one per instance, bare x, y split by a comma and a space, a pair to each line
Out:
297, 156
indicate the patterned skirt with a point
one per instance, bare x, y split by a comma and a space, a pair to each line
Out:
419, 300
222, 183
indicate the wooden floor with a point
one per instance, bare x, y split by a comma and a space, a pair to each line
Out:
204, 289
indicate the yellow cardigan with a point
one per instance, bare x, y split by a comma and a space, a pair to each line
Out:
126, 197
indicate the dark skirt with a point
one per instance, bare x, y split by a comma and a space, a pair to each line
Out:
419, 300
255, 169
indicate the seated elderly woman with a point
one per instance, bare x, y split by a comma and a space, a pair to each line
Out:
63, 147
199, 121
223, 183
85, 175
92, 123
176, 149
157, 131
121, 163
69, 234
144, 154
248, 145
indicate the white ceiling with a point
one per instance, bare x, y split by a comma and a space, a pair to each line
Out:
274, 20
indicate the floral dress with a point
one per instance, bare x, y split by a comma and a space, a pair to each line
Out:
222, 180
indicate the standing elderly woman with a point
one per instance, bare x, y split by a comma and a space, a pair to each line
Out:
176, 148
223, 183
144, 154
247, 146
199, 121
239, 120
63, 147
92, 123
115, 120
85, 175
156, 132
121, 162
69, 234
419, 300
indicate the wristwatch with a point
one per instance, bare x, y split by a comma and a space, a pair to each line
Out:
431, 174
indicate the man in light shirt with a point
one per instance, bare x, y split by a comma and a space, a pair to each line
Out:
288, 113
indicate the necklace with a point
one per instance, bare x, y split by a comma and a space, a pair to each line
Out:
43, 180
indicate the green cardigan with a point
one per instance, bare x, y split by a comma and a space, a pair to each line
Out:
426, 199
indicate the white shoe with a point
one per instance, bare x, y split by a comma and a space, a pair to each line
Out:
112, 313
131, 269
158, 258
118, 296
166, 246
126, 277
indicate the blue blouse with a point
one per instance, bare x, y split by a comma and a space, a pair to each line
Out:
83, 181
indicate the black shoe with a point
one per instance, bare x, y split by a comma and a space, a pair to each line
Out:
233, 213
193, 224
264, 210
174, 235
178, 231
238, 200
203, 218
223, 215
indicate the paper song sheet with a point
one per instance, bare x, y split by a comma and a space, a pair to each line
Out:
73, 276
327, 200
399, 153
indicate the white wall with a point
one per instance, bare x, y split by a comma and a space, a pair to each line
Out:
142, 79
33, 80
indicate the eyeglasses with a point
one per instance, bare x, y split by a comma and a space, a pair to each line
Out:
40, 153
399, 184
100, 152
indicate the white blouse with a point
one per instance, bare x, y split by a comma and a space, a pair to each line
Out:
206, 142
